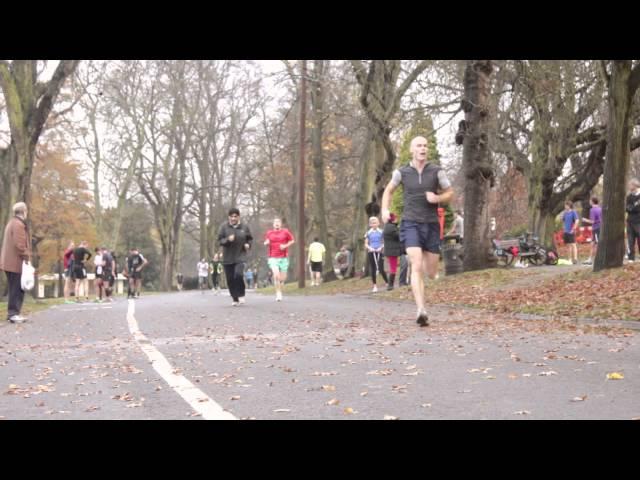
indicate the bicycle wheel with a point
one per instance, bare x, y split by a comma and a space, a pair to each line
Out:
504, 260
539, 258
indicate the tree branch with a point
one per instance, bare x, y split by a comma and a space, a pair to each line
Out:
603, 71
14, 107
587, 146
395, 103
36, 123
358, 68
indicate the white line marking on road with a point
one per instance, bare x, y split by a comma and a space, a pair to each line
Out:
195, 397
86, 309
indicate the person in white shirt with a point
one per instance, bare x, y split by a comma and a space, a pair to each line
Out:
99, 281
458, 225
203, 274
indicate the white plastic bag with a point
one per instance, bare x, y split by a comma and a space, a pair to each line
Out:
27, 281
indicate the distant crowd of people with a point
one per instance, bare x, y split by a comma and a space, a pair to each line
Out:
16, 251
412, 246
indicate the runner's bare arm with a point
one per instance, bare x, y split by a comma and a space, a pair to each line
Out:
292, 241
284, 246
443, 197
386, 201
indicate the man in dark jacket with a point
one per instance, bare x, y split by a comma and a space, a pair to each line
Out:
16, 248
81, 255
235, 239
392, 247
633, 217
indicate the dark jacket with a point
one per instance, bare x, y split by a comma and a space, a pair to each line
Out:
391, 236
234, 252
633, 208
16, 246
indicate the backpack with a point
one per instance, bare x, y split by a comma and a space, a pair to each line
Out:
552, 257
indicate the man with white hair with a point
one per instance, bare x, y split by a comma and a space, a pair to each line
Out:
16, 248
424, 186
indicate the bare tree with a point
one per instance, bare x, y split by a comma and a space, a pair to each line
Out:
157, 128
550, 131
29, 103
623, 81
319, 116
380, 98
129, 103
89, 83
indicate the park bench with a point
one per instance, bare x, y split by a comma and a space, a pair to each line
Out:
526, 247
507, 244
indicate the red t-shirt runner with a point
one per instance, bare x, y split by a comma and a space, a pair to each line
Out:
67, 255
277, 238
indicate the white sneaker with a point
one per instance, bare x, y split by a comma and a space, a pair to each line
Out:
17, 319
234, 304
278, 296
374, 289
242, 300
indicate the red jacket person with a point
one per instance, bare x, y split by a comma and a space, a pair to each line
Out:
16, 248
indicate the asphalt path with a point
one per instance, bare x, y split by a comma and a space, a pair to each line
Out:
190, 355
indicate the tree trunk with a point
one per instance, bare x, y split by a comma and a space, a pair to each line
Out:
202, 214
96, 173
363, 195
28, 105
380, 98
177, 261
477, 164
611, 247
543, 226
317, 113
6, 198
122, 198
212, 226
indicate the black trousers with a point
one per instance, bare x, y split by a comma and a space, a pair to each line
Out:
404, 270
16, 294
215, 278
633, 237
235, 279
376, 262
